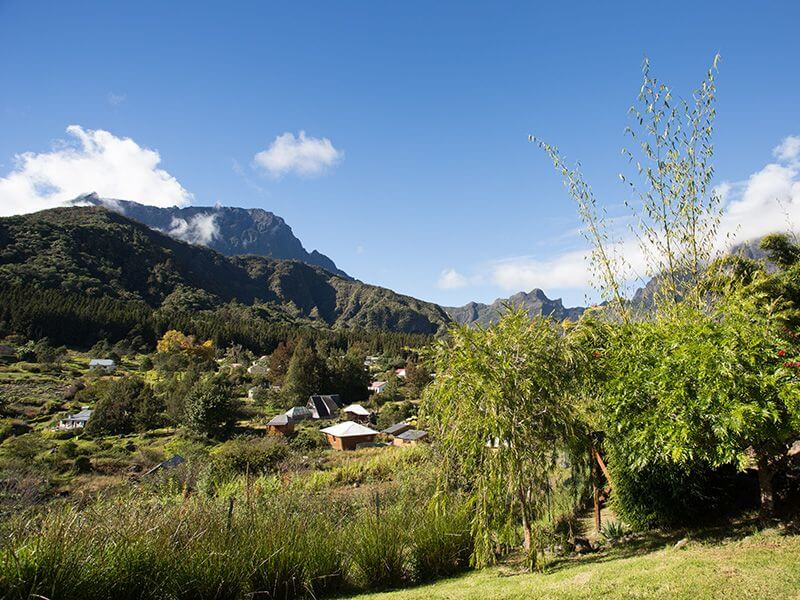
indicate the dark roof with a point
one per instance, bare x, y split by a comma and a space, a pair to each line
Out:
324, 406
412, 435
170, 463
397, 428
278, 421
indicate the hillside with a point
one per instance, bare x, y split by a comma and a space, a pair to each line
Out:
101, 254
535, 303
228, 230
726, 563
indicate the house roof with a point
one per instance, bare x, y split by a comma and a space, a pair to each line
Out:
101, 362
377, 384
298, 413
278, 421
397, 428
79, 416
357, 409
324, 406
348, 429
412, 435
170, 463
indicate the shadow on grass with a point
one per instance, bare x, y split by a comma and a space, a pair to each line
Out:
645, 543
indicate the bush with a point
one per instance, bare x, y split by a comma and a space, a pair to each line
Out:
669, 496
253, 454
209, 409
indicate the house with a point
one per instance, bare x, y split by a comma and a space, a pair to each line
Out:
258, 368
324, 406
397, 429
410, 437
102, 364
280, 425
298, 413
401, 373
348, 435
76, 421
376, 387
356, 412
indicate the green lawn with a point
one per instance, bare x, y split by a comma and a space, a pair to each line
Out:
765, 564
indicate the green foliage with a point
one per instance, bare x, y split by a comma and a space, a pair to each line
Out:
393, 413
504, 405
306, 374
123, 405
209, 409
249, 454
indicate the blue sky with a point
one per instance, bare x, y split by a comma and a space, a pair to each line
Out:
434, 189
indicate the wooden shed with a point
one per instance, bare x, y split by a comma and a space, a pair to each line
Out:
357, 413
348, 435
410, 437
280, 425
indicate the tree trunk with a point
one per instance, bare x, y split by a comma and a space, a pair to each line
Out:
766, 471
526, 522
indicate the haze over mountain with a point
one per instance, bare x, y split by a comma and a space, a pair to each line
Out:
103, 254
226, 229
535, 303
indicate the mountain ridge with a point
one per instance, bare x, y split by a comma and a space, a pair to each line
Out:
229, 230
535, 303
104, 254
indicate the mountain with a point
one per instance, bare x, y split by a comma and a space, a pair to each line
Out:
102, 254
228, 230
535, 303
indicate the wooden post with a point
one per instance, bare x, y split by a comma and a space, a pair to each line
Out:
230, 513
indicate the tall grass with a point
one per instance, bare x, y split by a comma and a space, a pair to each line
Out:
285, 545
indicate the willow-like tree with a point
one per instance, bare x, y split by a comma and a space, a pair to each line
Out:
502, 409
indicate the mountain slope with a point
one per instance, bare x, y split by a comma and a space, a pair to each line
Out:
103, 254
228, 230
535, 303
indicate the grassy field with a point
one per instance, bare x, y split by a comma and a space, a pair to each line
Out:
718, 564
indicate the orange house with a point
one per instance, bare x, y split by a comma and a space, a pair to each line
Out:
348, 435
280, 425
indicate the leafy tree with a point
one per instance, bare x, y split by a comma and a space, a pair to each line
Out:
502, 409
306, 374
417, 377
393, 413
349, 378
279, 362
124, 405
691, 386
210, 410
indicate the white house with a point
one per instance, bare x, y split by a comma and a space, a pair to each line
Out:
376, 387
76, 421
401, 373
102, 364
356, 412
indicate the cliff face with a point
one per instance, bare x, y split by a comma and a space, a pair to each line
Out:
228, 230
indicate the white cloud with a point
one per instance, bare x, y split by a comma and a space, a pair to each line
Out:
302, 155
566, 271
202, 228
789, 149
768, 201
450, 279
92, 160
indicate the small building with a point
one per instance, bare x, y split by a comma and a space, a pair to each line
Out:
324, 406
280, 425
258, 368
348, 435
401, 373
102, 364
298, 413
376, 387
410, 437
356, 412
397, 429
76, 421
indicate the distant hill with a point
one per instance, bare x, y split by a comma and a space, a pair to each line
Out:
535, 303
102, 254
228, 230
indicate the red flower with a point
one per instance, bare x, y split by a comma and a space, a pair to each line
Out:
781, 353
